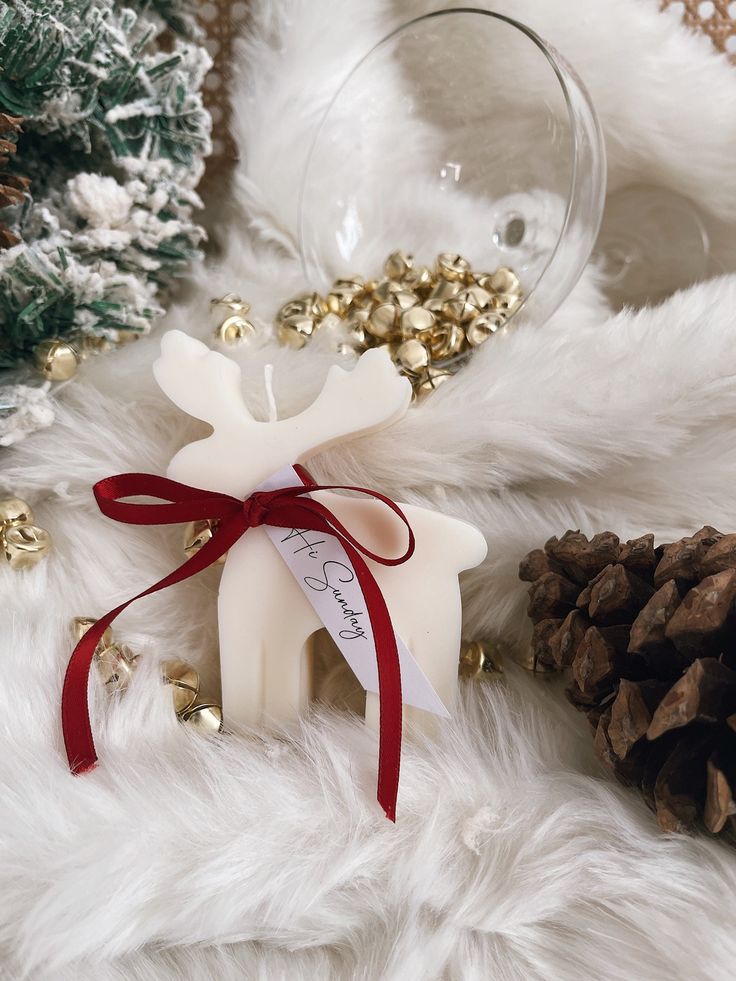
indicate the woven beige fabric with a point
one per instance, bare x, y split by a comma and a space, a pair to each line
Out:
716, 18
222, 20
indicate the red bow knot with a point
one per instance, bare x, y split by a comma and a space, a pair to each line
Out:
288, 507
255, 510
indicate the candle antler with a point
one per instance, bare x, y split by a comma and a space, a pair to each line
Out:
371, 396
202, 382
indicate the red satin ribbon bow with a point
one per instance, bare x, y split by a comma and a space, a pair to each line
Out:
289, 507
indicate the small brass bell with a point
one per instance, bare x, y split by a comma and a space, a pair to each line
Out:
14, 511
445, 341
481, 328
295, 331
459, 308
235, 330
416, 321
431, 379
404, 300
505, 280
420, 280
398, 265
116, 664
484, 281
412, 355
356, 325
24, 545
184, 681
506, 302
206, 717
56, 359
80, 626
478, 659
197, 534
300, 306
231, 304
477, 296
383, 320
444, 289
385, 290
435, 305
452, 266
342, 294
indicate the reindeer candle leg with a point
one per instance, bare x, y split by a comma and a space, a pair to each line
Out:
288, 671
242, 634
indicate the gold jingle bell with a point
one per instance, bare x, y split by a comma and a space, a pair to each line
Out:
197, 534
80, 626
413, 356
445, 341
452, 266
15, 511
444, 289
25, 545
308, 305
116, 664
232, 303
398, 265
235, 330
382, 321
478, 659
231, 325
56, 359
295, 331
206, 717
481, 328
459, 308
416, 322
343, 293
405, 299
507, 302
420, 280
505, 280
385, 289
431, 379
477, 296
184, 681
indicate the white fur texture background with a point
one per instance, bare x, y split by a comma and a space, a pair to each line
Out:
263, 855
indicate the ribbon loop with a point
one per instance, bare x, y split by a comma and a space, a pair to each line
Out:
287, 507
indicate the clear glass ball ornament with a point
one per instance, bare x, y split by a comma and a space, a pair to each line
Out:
464, 132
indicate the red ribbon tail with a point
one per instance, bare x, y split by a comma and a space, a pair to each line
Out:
389, 685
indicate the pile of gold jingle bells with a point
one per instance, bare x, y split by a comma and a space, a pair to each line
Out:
116, 664
428, 320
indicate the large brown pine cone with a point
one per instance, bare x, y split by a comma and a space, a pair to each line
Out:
649, 637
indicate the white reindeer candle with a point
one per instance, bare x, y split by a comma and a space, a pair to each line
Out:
265, 618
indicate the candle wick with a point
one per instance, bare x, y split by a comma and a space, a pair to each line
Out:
273, 412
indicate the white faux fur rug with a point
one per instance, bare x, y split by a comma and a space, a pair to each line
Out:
263, 855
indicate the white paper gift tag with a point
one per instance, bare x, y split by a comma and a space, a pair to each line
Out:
321, 566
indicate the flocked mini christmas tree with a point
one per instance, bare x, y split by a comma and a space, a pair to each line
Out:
103, 112
649, 637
